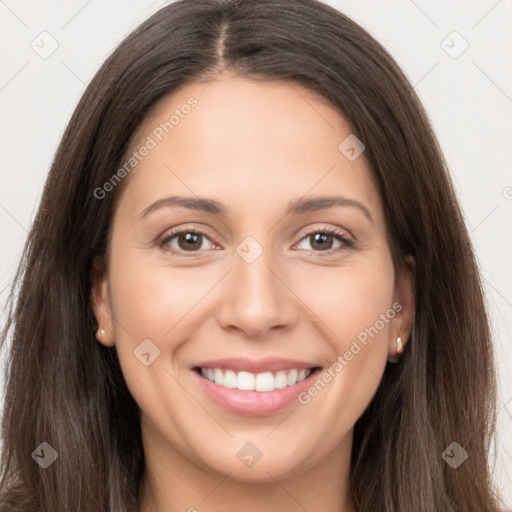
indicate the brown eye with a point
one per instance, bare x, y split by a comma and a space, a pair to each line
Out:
326, 240
184, 241
190, 241
321, 241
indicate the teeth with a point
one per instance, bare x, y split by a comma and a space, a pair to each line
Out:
218, 376
292, 377
265, 382
230, 380
280, 380
246, 381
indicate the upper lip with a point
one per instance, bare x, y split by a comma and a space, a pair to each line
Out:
239, 364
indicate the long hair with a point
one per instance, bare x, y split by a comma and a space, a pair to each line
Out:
66, 389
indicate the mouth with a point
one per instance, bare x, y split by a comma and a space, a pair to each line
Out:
270, 387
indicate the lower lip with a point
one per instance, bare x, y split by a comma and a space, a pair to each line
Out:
254, 403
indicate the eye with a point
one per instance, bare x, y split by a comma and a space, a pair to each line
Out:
323, 240
190, 242
185, 241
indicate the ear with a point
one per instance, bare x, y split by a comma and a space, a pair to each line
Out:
101, 306
401, 325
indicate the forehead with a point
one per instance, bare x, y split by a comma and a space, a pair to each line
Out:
245, 140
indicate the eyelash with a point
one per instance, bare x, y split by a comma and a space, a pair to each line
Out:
167, 237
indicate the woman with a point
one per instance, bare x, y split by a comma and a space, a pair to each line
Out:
248, 284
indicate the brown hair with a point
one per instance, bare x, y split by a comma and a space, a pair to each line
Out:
66, 389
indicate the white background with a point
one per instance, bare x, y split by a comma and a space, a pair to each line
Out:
469, 99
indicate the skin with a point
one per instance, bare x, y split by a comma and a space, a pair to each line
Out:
254, 147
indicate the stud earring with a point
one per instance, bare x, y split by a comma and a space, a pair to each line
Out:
399, 347
103, 332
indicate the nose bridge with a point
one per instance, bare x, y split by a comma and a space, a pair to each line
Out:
255, 281
255, 300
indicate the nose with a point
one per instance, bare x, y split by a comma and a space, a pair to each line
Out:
256, 299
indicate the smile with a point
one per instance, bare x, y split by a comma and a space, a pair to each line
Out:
253, 388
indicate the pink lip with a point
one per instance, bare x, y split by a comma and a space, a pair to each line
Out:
239, 364
253, 403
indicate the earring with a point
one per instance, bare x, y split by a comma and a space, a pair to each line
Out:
103, 332
399, 347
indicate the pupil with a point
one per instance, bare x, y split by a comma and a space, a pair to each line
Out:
321, 238
194, 238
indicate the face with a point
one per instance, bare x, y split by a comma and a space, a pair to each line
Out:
250, 290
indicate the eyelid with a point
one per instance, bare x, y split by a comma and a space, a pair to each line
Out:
322, 228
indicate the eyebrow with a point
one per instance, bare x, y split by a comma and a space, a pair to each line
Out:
294, 207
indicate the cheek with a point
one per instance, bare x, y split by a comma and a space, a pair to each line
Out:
350, 298
355, 304
155, 303
150, 300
